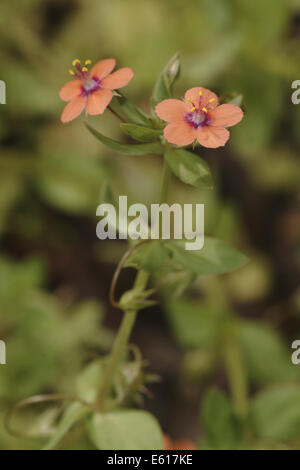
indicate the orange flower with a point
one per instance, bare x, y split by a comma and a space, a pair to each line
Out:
92, 90
198, 117
180, 444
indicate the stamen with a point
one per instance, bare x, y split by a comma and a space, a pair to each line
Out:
193, 109
205, 110
76, 62
85, 69
71, 72
88, 62
212, 100
200, 93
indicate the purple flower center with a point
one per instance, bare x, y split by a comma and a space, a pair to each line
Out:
90, 85
197, 118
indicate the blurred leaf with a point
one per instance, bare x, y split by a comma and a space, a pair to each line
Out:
234, 98
129, 149
189, 168
164, 84
141, 133
275, 413
255, 26
89, 381
74, 413
69, 183
11, 188
19, 278
216, 257
149, 256
125, 430
195, 324
106, 195
214, 59
267, 359
219, 421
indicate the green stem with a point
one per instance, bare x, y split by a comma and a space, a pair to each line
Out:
123, 335
120, 344
236, 372
165, 183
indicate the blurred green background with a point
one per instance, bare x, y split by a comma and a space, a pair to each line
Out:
55, 274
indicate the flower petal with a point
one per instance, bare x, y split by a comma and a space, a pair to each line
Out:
118, 79
73, 109
212, 137
226, 115
98, 102
103, 68
70, 90
180, 133
193, 94
171, 110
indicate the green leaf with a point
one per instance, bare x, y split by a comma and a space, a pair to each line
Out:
149, 256
189, 168
261, 341
129, 111
275, 413
125, 430
107, 196
195, 325
141, 133
74, 413
164, 84
136, 149
219, 421
88, 382
216, 257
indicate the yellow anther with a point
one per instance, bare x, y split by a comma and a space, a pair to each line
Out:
88, 62
75, 62
200, 93
71, 72
190, 100
193, 109
204, 109
85, 69
212, 100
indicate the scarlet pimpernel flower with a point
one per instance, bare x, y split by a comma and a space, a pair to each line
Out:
199, 117
92, 90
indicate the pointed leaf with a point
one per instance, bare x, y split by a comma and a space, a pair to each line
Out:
164, 84
141, 133
216, 257
189, 168
136, 149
